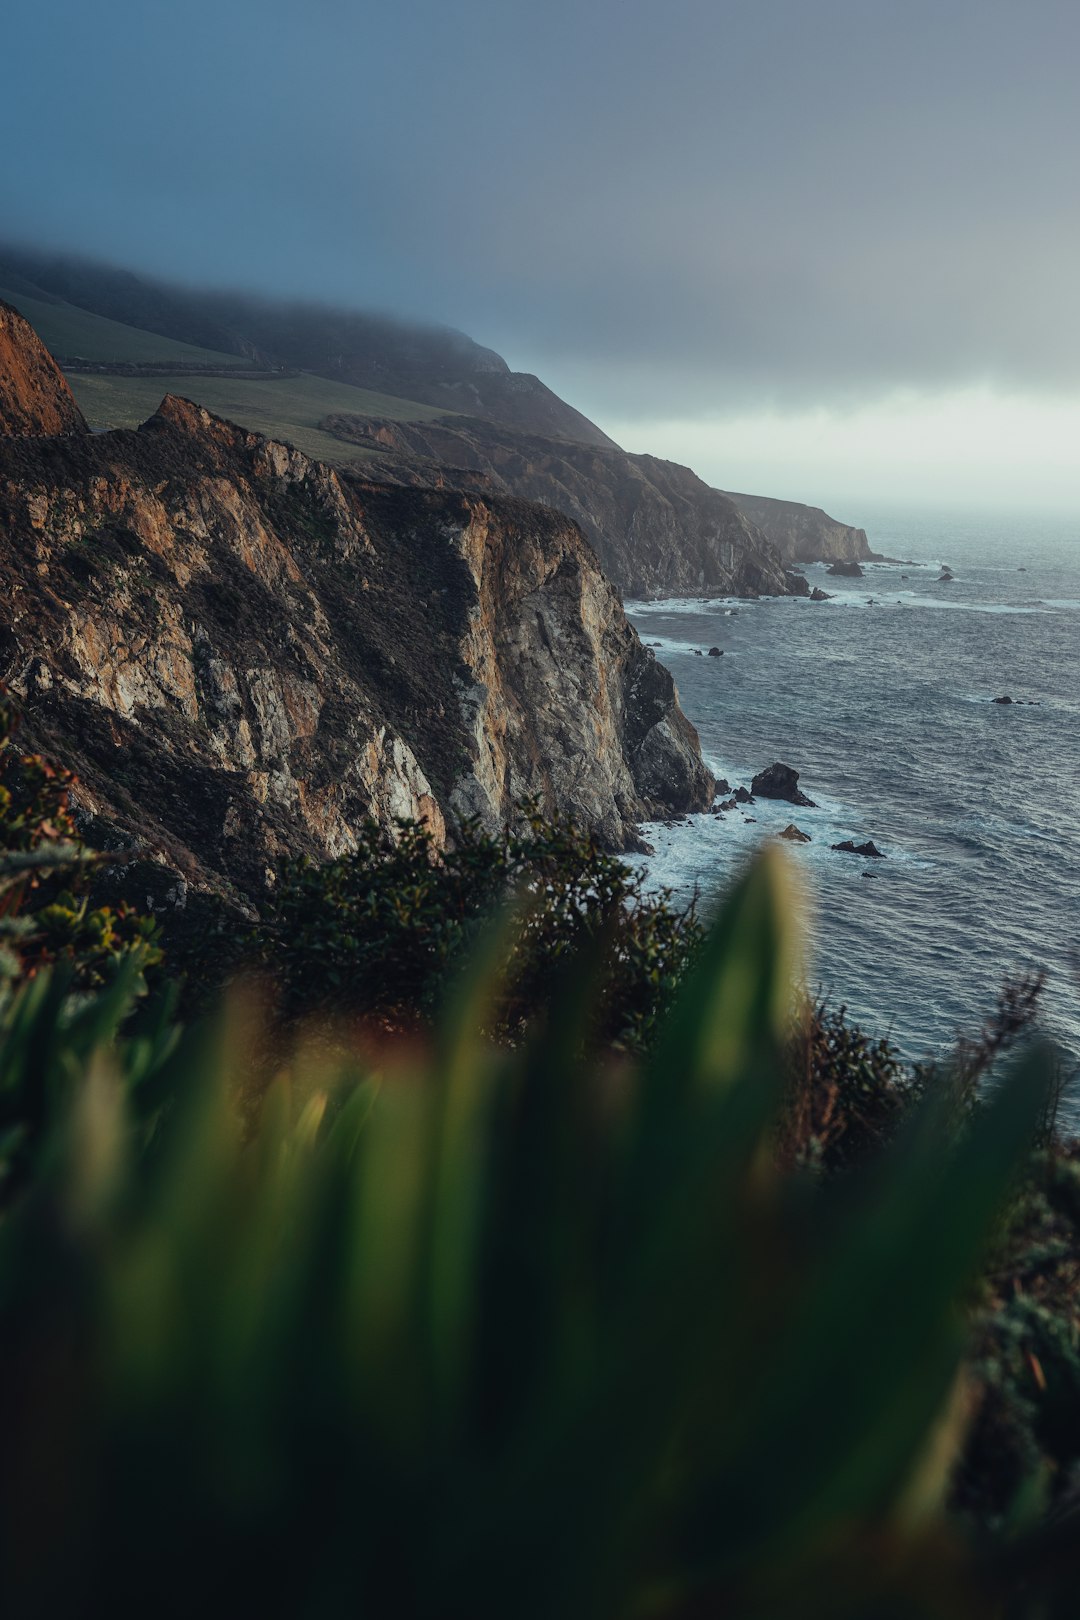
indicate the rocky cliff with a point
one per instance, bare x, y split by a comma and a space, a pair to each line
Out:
244, 653
804, 534
34, 396
657, 529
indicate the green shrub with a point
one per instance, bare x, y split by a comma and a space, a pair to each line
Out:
848, 1093
58, 945
381, 932
46, 915
486, 1330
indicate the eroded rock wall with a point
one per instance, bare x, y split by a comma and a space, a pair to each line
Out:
244, 653
804, 534
657, 529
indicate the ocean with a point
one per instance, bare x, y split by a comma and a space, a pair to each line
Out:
882, 700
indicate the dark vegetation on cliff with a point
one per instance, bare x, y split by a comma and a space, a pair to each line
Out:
728, 1319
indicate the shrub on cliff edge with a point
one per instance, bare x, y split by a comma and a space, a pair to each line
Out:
381, 932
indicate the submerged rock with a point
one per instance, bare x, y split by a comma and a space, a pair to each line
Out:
780, 782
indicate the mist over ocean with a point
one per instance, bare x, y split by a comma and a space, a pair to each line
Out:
886, 712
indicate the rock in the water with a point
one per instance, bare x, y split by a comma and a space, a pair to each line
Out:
698, 653
794, 835
818, 595
742, 796
780, 782
849, 569
798, 584
1005, 699
716, 652
869, 849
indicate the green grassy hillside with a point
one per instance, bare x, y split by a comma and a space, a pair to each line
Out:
284, 408
76, 333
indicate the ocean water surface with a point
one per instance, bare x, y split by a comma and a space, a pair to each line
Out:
882, 699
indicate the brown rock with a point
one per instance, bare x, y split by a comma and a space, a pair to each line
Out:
35, 400
244, 653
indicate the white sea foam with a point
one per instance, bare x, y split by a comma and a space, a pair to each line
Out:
887, 715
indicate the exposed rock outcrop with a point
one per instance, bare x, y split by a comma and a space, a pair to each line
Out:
657, 529
867, 850
243, 652
804, 533
34, 396
846, 569
780, 782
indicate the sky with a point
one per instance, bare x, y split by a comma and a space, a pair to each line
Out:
828, 249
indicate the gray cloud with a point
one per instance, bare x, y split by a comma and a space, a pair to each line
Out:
687, 207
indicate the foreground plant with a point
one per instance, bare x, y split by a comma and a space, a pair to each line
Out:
469, 1330
46, 913
380, 933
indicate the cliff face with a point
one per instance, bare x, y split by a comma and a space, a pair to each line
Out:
245, 653
657, 529
34, 396
804, 534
